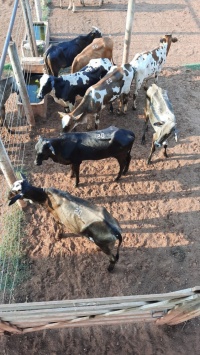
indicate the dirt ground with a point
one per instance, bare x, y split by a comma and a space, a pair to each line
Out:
156, 205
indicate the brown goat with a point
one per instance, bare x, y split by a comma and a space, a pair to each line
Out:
99, 48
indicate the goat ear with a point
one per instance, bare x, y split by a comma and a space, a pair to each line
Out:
52, 150
23, 176
61, 114
163, 40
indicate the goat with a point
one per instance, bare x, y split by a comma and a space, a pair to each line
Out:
149, 63
99, 48
66, 88
82, 217
160, 113
73, 148
62, 55
115, 84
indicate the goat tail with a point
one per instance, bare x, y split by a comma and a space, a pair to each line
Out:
119, 237
112, 60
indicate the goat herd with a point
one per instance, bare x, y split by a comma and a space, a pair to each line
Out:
99, 82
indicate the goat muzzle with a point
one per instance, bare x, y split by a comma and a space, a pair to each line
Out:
12, 197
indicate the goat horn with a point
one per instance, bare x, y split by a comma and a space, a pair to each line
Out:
23, 176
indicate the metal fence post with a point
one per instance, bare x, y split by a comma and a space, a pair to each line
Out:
38, 10
8, 171
12, 51
29, 27
5, 48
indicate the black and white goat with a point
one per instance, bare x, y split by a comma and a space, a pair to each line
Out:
80, 216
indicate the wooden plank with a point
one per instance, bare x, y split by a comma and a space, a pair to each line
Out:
5, 326
178, 310
75, 310
186, 313
69, 313
186, 317
90, 323
48, 319
99, 301
168, 303
63, 313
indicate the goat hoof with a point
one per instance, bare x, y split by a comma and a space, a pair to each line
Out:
134, 108
143, 142
111, 267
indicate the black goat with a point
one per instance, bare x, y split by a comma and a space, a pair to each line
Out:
73, 148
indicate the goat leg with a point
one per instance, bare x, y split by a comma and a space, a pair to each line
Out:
59, 232
128, 159
75, 169
165, 151
145, 129
153, 148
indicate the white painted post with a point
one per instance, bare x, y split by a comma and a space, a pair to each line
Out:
29, 27
7, 170
38, 10
128, 30
12, 51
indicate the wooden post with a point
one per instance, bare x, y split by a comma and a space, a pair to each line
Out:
12, 51
128, 30
38, 10
29, 27
8, 171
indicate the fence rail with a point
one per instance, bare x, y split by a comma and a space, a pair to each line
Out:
168, 308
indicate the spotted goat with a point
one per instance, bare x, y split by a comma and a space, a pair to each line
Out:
150, 63
115, 84
65, 88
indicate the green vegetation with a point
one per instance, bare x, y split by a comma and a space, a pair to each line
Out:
192, 66
45, 10
13, 265
7, 69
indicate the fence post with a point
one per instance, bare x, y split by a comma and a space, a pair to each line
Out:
128, 30
8, 171
29, 27
12, 51
38, 10
5, 48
